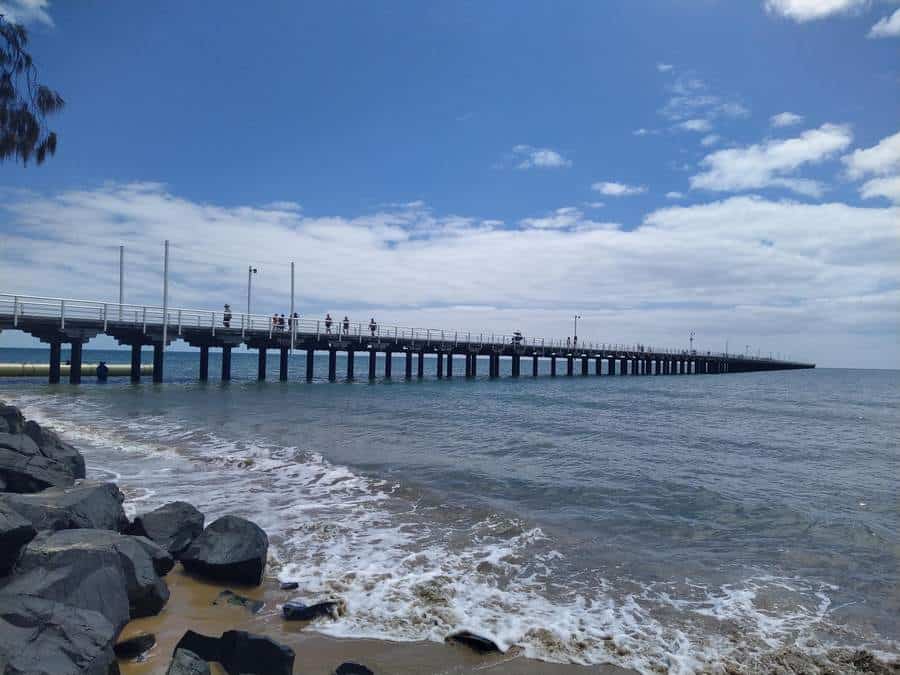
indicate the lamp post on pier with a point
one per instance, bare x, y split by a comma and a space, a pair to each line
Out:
251, 270
575, 334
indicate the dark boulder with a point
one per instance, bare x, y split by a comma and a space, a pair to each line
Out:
33, 458
289, 585
480, 644
231, 549
173, 526
15, 532
135, 647
185, 662
162, 560
53, 447
228, 597
241, 652
350, 668
99, 570
88, 504
42, 637
295, 610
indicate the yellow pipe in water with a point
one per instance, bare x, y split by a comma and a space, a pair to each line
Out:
87, 369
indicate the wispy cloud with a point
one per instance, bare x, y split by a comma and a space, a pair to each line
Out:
26, 11
785, 119
699, 125
664, 67
529, 157
709, 140
880, 159
613, 189
811, 10
691, 105
675, 195
773, 163
887, 27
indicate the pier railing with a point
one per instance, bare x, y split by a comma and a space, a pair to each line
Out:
143, 317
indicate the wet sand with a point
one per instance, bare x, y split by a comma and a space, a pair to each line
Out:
190, 607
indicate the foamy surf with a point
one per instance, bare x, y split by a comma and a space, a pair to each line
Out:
411, 569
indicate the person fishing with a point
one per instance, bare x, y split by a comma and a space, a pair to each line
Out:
226, 316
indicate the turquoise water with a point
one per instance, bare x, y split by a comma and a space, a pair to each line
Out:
659, 522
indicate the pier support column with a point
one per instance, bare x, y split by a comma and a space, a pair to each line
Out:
420, 369
553, 366
409, 360
226, 363
135, 363
468, 365
261, 365
474, 365
332, 365
440, 364
55, 352
204, 362
612, 366
75, 361
450, 364
598, 366
388, 364
516, 365
351, 359
283, 364
584, 365
310, 363
570, 365
372, 357
158, 356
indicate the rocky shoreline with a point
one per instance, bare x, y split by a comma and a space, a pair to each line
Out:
74, 572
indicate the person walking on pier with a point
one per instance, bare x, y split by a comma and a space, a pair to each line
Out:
328, 323
373, 326
226, 316
346, 325
275, 321
295, 321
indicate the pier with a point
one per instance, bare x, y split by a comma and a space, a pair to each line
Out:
59, 321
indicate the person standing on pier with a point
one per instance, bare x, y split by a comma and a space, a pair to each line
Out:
275, 321
346, 325
295, 320
281, 322
226, 316
328, 323
373, 326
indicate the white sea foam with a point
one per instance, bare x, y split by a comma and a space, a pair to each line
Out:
410, 571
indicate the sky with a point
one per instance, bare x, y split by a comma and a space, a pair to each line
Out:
730, 168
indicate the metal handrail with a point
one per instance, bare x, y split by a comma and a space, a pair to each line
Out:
180, 319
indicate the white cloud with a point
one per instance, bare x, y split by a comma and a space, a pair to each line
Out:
674, 195
699, 125
641, 132
771, 164
889, 26
529, 157
880, 159
664, 67
613, 189
785, 119
811, 10
26, 11
595, 205
823, 284
565, 218
711, 139
889, 188
731, 109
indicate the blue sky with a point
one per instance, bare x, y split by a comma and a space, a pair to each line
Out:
495, 164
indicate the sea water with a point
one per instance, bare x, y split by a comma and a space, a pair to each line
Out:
663, 523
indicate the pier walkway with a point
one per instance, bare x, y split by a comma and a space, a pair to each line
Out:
58, 321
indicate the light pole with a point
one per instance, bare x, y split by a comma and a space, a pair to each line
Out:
575, 334
692, 342
121, 279
251, 270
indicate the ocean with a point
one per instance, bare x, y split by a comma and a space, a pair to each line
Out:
669, 524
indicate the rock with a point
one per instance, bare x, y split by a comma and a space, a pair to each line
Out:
350, 668
99, 570
88, 504
186, 662
33, 458
231, 549
173, 526
53, 447
289, 585
42, 637
15, 532
480, 644
295, 610
135, 646
160, 557
228, 597
241, 652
